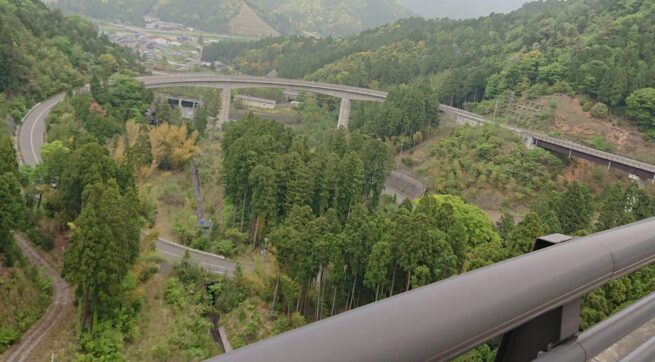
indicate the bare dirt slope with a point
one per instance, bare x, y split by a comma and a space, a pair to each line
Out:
248, 23
572, 122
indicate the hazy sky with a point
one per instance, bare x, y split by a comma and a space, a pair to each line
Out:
461, 8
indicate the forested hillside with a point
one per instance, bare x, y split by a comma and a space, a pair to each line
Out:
333, 17
602, 49
43, 52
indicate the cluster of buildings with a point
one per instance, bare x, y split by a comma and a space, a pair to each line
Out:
153, 23
180, 51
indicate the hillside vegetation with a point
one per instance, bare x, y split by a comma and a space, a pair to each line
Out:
43, 52
604, 50
333, 17
25, 295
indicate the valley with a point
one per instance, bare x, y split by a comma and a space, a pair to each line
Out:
174, 194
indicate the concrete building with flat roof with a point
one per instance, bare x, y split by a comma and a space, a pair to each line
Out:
256, 102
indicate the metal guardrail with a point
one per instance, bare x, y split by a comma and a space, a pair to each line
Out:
645, 353
446, 319
591, 151
556, 141
596, 340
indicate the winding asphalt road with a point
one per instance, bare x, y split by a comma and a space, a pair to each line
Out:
32, 131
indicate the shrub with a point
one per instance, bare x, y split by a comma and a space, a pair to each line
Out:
45, 241
147, 273
600, 110
224, 247
174, 293
552, 104
600, 143
409, 161
586, 105
8, 335
105, 343
281, 325
227, 295
18, 109
562, 87
185, 226
170, 195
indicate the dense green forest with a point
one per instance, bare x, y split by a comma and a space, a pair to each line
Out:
43, 52
603, 49
79, 190
334, 17
338, 252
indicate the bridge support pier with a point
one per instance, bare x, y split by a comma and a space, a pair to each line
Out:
638, 180
528, 141
224, 114
344, 113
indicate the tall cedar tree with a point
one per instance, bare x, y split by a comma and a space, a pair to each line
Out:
104, 244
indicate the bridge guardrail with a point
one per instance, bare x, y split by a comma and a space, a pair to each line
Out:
446, 319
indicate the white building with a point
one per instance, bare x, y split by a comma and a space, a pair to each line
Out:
256, 102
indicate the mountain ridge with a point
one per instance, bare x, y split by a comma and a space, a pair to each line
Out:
287, 17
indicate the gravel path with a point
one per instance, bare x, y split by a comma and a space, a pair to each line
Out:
62, 298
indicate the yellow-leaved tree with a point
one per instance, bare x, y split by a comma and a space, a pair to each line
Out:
172, 146
133, 148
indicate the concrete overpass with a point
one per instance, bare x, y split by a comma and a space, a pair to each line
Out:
227, 83
570, 149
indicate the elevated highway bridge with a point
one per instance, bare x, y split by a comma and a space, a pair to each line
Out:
227, 83
564, 147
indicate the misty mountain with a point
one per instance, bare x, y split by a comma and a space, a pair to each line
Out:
461, 9
288, 17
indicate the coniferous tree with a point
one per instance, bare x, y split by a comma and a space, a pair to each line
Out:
12, 214
8, 161
262, 179
612, 210
575, 208
525, 234
505, 226
87, 165
103, 246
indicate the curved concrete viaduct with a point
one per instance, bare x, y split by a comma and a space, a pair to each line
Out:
227, 83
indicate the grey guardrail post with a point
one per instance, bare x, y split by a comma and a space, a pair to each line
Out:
540, 334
